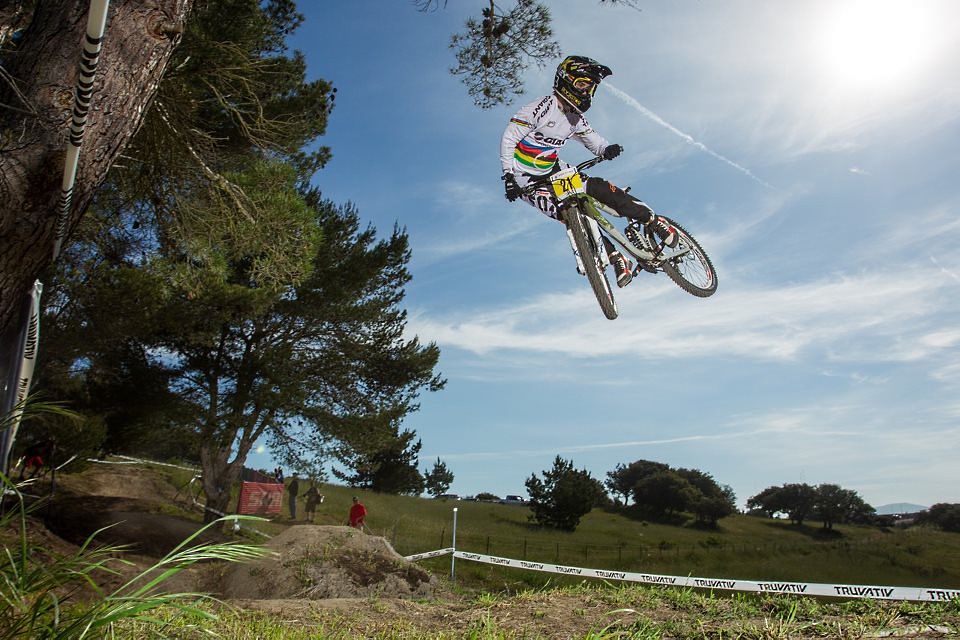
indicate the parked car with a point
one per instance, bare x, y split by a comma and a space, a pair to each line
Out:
513, 500
447, 496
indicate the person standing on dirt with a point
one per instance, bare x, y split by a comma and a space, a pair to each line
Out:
358, 514
293, 489
313, 498
37, 456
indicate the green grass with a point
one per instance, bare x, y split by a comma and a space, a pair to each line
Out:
742, 547
588, 611
489, 602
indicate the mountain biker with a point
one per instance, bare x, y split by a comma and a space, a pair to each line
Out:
531, 142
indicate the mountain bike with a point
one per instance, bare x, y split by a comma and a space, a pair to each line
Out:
687, 264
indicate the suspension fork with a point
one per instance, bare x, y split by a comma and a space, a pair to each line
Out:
594, 230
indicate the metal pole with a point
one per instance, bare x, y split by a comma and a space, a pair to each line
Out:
453, 556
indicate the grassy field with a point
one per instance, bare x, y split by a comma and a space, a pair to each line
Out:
489, 602
587, 611
742, 547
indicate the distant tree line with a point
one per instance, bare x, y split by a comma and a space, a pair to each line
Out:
827, 503
657, 490
564, 494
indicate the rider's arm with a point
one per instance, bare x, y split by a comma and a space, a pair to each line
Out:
590, 138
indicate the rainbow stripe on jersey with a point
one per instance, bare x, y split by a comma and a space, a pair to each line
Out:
538, 158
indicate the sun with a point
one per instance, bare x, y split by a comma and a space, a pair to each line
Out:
876, 43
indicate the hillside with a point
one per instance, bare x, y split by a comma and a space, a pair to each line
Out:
897, 508
332, 581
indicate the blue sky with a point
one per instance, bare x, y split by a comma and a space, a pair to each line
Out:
812, 149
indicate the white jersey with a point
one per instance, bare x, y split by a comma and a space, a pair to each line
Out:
531, 142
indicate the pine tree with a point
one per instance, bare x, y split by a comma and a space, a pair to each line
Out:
563, 496
438, 479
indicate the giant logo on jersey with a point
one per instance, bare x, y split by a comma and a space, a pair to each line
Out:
539, 137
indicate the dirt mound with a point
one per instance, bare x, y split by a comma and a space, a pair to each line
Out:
122, 521
317, 562
120, 481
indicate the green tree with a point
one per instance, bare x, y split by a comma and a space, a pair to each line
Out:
311, 367
494, 52
230, 95
710, 501
563, 496
386, 463
796, 500
438, 479
833, 504
624, 478
663, 493
944, 515
767, 502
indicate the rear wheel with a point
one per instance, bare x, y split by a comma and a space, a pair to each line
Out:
693, 272
589, 256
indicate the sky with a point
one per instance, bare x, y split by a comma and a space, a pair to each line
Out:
811, 147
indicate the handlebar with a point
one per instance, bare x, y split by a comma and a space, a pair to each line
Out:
536, 183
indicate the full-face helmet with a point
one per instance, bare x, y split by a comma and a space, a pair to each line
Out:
577, 79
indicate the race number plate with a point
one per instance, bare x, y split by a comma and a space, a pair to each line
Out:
567, 183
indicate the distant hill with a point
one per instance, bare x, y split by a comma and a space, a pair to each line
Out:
899, 507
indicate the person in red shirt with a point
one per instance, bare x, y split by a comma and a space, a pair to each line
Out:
358, 514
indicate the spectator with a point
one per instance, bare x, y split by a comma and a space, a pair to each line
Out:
313, 497
278, 475
37, 455
358, 514
293, 489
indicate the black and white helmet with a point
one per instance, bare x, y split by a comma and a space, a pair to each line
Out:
577, 79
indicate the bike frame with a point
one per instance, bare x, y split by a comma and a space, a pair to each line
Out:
593, 210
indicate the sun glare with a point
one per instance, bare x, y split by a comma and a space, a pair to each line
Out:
876, 43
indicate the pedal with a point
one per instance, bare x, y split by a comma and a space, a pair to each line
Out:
645, 267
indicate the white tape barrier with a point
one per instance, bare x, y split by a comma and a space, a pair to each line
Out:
162, 464
916, 594
429, 554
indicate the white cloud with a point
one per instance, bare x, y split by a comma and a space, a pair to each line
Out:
848, 317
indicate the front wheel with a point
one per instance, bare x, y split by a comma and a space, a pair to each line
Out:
693, 272
589, 256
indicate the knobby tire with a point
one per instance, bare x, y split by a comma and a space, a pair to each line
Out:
583, 240
693, 272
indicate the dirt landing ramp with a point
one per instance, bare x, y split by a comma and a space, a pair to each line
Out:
318, 562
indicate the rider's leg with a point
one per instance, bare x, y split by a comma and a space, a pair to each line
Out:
618, 200
629, 207
621, 266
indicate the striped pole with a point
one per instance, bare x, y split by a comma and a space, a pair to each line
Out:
89, 58
24, 374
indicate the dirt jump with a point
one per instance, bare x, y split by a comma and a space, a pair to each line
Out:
130, 505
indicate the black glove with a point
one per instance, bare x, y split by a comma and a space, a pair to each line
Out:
612, 151
510, 187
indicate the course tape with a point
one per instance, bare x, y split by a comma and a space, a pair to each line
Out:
429, 554
916, 594
162, 464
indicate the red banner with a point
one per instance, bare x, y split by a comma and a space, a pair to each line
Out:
260, 498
